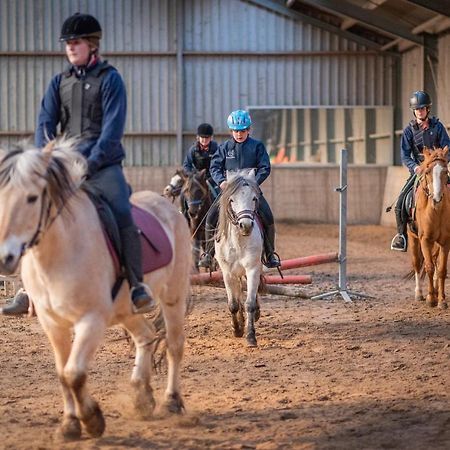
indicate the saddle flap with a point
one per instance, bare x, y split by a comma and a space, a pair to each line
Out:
156, 247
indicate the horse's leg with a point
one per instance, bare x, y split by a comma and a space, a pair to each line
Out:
88, 336
174, 320
253, 277
143, 336
427, 250
234, 289
442, 274
417, 261
61, 341
196, 243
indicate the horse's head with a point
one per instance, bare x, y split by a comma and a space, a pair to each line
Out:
173, 189
239, 200
434, 169
196, 193
33, 184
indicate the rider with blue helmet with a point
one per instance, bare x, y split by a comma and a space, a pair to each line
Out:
241, 152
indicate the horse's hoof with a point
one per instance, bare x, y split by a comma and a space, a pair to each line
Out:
70, 429
442, 305
251, 341
174, 403
419, 298
432, 302
143, 400
238, 331
94, 422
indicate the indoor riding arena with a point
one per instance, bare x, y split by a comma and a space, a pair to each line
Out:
347, 356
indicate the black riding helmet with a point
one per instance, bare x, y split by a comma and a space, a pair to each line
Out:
419, 99
80, 26
205, 130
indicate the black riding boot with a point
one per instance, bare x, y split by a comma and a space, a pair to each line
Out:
207, 258
132, 259
399, 242
272, 260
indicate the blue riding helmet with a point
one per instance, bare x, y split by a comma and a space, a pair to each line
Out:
239, 120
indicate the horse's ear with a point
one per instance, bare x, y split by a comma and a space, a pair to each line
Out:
426, 151
252, 173
445, 150
202, 172
229, 175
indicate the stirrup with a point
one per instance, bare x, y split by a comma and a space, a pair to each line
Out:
398, 243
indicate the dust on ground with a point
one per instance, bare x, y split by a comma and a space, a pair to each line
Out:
372, 374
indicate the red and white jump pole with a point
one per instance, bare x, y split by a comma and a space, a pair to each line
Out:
206, 277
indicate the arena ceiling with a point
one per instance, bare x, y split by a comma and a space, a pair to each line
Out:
383, 25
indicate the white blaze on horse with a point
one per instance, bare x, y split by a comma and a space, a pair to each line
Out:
49, 223
173, 189
239, 245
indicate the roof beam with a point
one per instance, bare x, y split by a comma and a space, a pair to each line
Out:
280, 9
439, 6
367, 17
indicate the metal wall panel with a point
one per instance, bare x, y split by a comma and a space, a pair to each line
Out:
412, 79
443, 78
213, 83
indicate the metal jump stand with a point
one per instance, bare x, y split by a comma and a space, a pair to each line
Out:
342, 257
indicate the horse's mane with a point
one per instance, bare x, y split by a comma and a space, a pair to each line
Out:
194, 178
242, 178
59, 167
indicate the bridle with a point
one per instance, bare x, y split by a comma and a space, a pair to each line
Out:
244, 214
424, 176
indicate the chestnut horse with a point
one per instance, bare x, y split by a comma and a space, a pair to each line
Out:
49, 223
430, 245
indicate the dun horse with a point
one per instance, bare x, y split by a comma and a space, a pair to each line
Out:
430, 245
239, 244
49, 223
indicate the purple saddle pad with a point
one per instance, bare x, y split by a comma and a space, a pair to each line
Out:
156, 248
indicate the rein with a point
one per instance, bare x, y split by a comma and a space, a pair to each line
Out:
45, 221
427, 171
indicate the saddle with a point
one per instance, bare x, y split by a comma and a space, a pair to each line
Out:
155, 244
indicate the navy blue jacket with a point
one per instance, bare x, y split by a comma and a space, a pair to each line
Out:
191, 161
411, 150
231, 155
106, 149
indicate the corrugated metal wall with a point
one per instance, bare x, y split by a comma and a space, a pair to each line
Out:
443, 79
230, 54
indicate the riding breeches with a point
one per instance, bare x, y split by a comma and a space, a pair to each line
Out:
110, 184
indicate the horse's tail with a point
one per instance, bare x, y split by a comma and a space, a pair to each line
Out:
262, 288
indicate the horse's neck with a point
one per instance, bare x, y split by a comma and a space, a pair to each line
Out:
67, 235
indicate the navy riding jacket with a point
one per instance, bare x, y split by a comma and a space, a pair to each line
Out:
197, 158
231, 155
414, 140
105, 150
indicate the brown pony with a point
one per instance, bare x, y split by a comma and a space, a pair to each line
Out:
431, 243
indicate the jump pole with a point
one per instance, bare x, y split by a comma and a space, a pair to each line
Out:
342, 256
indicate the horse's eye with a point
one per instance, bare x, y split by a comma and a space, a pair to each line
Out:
231, 200
255, 199
32, 198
